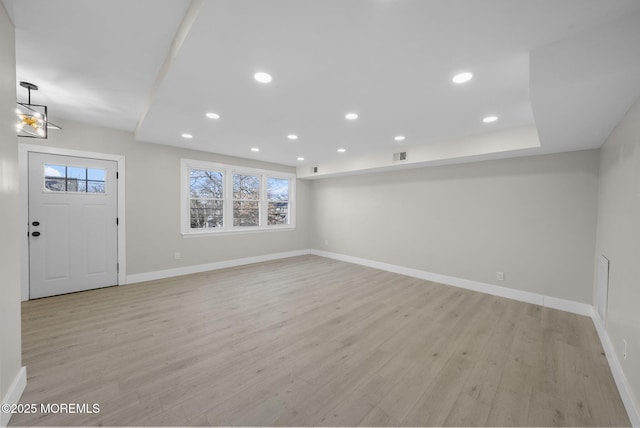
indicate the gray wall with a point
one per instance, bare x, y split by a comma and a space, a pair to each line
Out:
153, 203
533, 218
10, 339
618, 238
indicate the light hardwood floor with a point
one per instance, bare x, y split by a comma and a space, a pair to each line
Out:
312, 341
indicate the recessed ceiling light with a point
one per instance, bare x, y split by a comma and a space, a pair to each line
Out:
292, 136
255, 149
342, 150
490, 119
213, 115
262, 77
300, 158
462, 77
187, 136
399, 138
351, 116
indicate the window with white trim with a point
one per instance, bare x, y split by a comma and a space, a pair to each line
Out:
218, 198
246, 200
278, 200
206, 198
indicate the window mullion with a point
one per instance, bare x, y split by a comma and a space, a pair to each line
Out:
228, 199
261, 222
246, 212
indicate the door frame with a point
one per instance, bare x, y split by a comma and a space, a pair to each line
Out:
23, 165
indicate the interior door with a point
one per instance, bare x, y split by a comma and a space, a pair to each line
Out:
73, 235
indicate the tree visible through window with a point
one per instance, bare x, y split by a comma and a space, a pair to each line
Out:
246, 200
218, 198
206, 198
278, 197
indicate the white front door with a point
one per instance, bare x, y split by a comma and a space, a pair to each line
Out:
73, 231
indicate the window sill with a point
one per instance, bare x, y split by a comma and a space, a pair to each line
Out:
199, 234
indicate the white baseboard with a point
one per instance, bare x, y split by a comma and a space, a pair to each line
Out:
568, 306
524, 296
618, 375
168, 273
13, 394
495, 290
20, 382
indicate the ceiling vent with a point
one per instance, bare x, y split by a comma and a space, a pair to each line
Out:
400, 157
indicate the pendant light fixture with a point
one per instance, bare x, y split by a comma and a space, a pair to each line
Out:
32, 119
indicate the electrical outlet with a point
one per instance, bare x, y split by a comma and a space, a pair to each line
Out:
176, 255
625, 354
500, 276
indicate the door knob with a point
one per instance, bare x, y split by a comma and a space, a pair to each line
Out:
35, 234
36, 223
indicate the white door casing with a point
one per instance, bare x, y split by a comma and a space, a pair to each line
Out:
73, 231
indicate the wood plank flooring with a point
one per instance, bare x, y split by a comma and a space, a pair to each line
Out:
312, 341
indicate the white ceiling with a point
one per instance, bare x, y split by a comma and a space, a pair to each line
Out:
569, 67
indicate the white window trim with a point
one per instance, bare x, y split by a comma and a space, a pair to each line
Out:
229, 170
